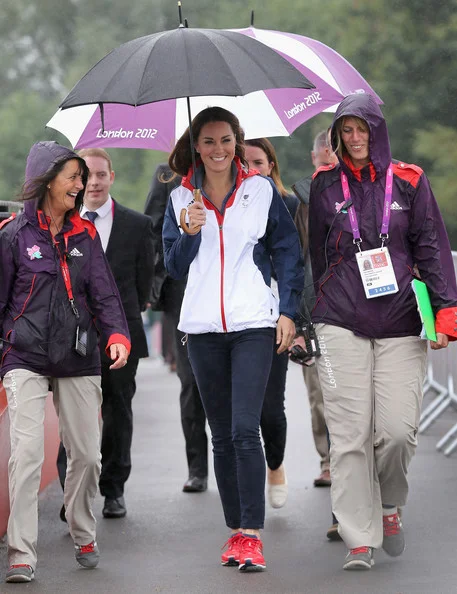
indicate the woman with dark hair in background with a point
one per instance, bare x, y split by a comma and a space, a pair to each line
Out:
261, 155
57, 294
229, 312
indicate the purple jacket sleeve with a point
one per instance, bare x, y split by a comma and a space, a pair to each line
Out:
430, 247
318, 230
8, 272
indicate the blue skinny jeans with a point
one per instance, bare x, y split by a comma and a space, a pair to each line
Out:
232, 371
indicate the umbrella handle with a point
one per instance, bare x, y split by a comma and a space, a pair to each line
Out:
182, 218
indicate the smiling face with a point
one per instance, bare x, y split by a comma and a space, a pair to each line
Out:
64, 188
258, 159
216, 145
355, 136
99, 182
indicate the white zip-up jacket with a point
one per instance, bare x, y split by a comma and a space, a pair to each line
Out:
229, 261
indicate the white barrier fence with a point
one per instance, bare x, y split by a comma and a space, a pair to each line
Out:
441, 371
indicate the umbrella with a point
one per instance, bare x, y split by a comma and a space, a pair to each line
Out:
267, 113
181, 63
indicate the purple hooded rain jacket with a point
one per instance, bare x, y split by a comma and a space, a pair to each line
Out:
37, 324
417, 237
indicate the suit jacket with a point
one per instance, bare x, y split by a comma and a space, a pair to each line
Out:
130, 255
166, 293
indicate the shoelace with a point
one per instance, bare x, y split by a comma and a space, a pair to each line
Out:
232, 541
358, 550
87, 548
391, 525
251, 543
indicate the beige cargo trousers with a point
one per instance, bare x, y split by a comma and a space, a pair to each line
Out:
77, 401
316, 404
372, 399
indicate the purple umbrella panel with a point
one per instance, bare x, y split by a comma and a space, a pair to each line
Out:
158, 125
314, 58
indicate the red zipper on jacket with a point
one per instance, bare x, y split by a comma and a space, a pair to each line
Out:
27, 299
220, 222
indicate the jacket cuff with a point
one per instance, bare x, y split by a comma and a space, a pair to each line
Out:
115, 339
446, 322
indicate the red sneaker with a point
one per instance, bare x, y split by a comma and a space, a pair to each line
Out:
20, 573
232, 554
393, 542
251, 554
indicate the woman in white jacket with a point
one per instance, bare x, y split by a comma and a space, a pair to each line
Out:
229, 312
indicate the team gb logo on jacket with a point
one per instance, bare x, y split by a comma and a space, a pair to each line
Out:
34, 252
245, 201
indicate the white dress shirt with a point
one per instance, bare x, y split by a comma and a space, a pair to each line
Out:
104, 222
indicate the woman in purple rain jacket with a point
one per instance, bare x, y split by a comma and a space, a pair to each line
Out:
57, 299
374, 225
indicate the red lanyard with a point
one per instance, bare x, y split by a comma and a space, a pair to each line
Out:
66, 275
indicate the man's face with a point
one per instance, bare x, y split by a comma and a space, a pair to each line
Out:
99, 182
323, 157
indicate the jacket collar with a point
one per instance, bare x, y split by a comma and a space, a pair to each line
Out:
72, 226
359, 172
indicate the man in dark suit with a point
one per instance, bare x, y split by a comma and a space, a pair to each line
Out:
167, 295
127, 240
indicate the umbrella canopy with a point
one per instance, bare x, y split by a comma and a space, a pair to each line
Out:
184, 63
141, 82
270, 112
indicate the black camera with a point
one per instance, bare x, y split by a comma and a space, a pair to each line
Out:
301, 355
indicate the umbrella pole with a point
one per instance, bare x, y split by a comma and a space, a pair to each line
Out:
197, 191
191, 136
180, 14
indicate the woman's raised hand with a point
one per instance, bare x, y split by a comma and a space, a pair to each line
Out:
197, 214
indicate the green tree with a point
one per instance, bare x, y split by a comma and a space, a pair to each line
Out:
442, 171
21, 120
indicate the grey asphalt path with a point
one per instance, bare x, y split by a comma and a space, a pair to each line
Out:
170, 541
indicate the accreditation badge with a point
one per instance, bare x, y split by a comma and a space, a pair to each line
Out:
377, 272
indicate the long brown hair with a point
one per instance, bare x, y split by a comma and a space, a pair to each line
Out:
265, 145
181, 158
36, 188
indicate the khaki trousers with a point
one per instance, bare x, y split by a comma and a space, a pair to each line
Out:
77, 401
372, 398
316, 403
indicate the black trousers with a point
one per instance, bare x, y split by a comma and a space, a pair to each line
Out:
193, 418
273, 422
118, 388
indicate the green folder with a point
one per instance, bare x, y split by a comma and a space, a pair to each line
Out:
425, 309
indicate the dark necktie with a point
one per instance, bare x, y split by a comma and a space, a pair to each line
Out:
91, 216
